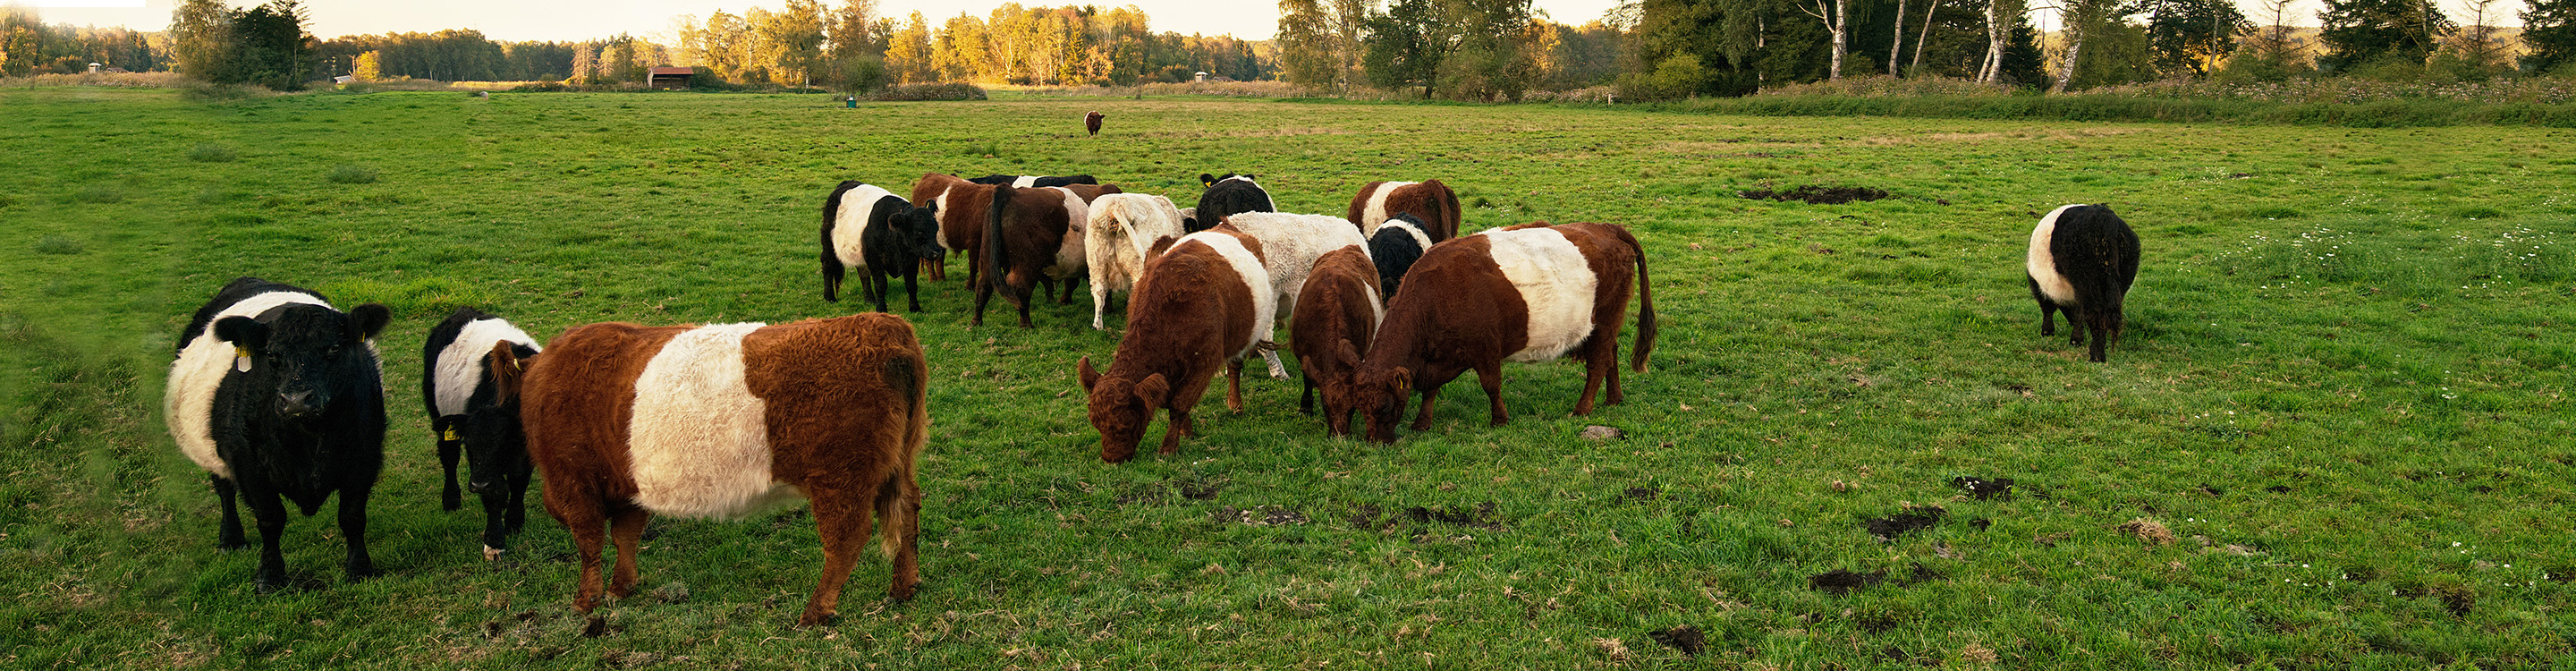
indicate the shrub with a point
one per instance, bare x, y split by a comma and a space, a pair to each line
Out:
352, 174
59, 245
922, 92
212, 153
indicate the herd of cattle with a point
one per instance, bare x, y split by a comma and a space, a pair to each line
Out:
278, 395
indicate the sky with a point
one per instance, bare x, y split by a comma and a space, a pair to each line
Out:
574, 20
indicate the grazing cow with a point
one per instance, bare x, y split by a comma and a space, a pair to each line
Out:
1527, 293
1091, 122
1118, 239
1072, 255
469, 381
1336, 316
867, 228
1033, 181
1224, 197
728, 420
2082, 260
1199, 307
1290, 244
1433, 205
1024, 241
961, 207
1395, 246
279, 396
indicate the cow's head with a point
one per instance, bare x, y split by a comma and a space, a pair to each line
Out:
919, 227
1121, 408
493, 447
1340, 395
310, 351
1381, 395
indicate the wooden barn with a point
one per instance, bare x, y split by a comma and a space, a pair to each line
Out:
672, 79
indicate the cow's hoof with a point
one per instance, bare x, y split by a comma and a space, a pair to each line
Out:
360, 571
492, 553
451, 502
813, 619
231, 545
267, 585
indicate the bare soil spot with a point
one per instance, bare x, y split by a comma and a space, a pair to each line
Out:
1266, 516
1685, 638
1817, 195
1889, 527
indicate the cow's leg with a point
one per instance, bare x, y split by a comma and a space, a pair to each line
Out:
1306, 396
497, 502
1068, 290
1234, 386
228, 533
912, 291
880, 287
270, 513
983, 296
1175, 429
1491, 375
841, 518
1099, 307
587, 523
518, 484
448, 450
1600, 360
1024, 311
2074, 324
1430, 392
626, 526
1612, 370
899, 526
353, 528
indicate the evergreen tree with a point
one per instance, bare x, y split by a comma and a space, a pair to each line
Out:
2188, 36
2357, 32
2549, 30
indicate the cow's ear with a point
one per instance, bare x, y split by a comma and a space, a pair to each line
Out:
1403, 378
242, 332
504, 365
1153, 390
370, 319
1090, 378
1188, 223
1247, 177
1207, 179
931, 208
1345, 354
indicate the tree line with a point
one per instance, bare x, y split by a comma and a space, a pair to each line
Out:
1457, 49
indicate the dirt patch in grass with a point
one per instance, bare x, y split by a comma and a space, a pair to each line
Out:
1818, 195
1265, 516
1839, 582
1685, 638
1889, 527
1982, 489
1482, 517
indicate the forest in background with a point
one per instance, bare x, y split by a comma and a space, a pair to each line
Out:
1483, 50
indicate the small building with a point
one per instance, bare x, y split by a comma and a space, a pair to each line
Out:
1200, 76
672, 79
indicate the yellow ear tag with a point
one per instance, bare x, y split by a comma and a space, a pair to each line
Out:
451, 434
514, 363
241, 359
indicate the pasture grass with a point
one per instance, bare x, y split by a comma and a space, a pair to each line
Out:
2336, 435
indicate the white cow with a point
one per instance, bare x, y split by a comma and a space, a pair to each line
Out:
1118, 239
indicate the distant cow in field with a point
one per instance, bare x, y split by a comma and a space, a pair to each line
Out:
881, 235
1336, 316
1091, 122
1119, 238
1032, 181
1526, 293
2082, 260
1433, 205
470, 367
280, 396
728, 420
1290, 243
1224, 197
1200, 307
1025, 241
961, 207
1396, 245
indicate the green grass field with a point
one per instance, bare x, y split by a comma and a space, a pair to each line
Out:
2340, 414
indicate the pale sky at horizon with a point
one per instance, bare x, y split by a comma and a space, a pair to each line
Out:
576, 20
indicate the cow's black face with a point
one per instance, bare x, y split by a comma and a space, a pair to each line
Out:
494, 444
920, 229
309, 353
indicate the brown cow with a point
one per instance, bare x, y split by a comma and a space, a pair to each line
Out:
1201, 305
1336, 314
1091, 122
1430, 201
962, 207
1527, 293
1024, 242
726, 420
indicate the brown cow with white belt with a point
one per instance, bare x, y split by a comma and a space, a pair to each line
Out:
728, 420
1429, 201
1527, 293
1202, 305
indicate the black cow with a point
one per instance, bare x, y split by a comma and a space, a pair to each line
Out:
467, 370
2082, 260
868, 228
1033, 181
282, 397
1396, 245
1224, 197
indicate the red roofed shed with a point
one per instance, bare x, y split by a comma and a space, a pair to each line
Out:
672, 78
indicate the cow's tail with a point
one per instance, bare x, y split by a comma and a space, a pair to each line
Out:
1645, 302
996, 254
905, 374
832, 269
1452, 219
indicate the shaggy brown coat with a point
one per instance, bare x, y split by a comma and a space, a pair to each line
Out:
843, 416
961, 219
1336, 316
1461, 312
1192, 313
